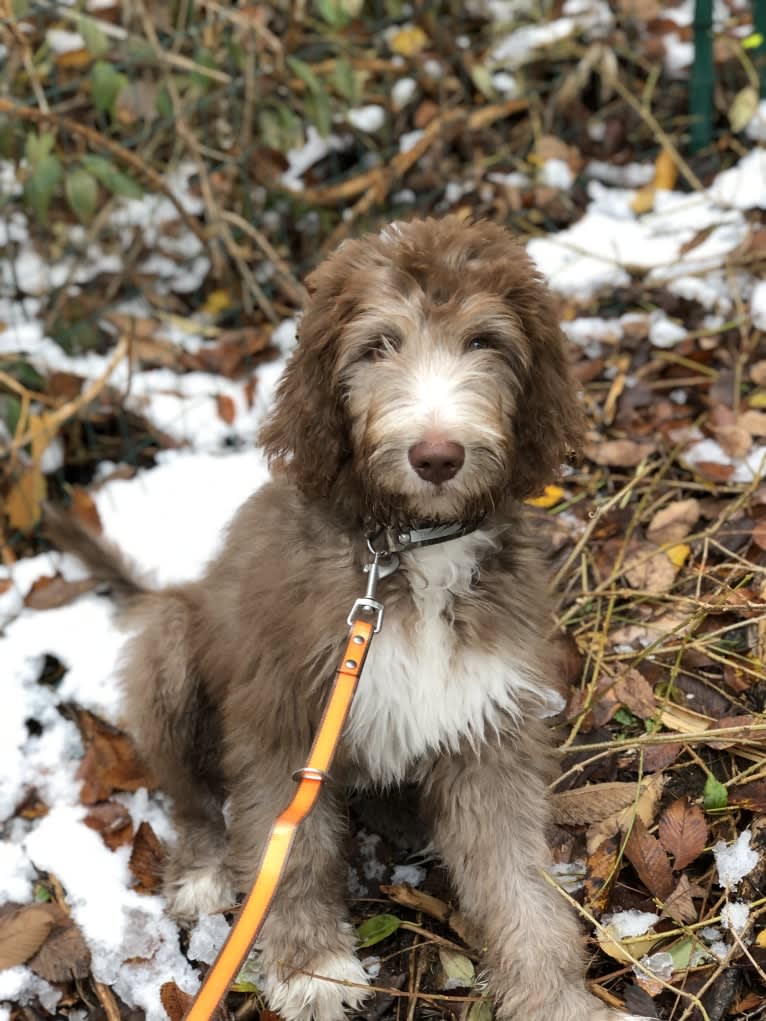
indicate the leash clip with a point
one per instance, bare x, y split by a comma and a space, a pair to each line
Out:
367, 604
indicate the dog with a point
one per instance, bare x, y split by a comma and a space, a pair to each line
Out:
429, 395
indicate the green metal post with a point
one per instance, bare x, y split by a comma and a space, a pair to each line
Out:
701, 94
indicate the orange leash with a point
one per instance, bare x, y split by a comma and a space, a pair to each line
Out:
247, 926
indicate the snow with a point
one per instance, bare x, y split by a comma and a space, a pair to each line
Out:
663, 332
735, 916
556, 174
402, 92
60, 41
207, 937
413, 875
312, 151
758, 305
369, 118
734, 861
630, 924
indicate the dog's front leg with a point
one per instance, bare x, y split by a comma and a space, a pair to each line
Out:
310, 971
489, 810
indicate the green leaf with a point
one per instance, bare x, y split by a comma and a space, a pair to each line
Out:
319, 112
20, 8
25, 374
681, 952
10, 411
345, 80
303, 71
81, 190
40, 186
96, 42
163, 103
457, 967
38, 145
625, 717
202, 82
715, 794
113, 179
481, 1011
243, 986
106, 83
334, 13
376, 929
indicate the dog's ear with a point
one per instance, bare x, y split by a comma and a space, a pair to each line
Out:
305, 435
549, 423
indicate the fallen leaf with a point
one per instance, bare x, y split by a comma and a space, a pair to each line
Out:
618, 453
459, 970
592, 803
758, 373
112, 822
175, 1001
23, 504
226, 409
374, 930
85, 510
751, 796
626, 950
683, 832
110, 763
754, 422
648, 858
743, 108
216, 302
635, 693
673, 523
408, 41
23, 930
600, 872
50, 592
759, 533
643, 809
679, 905
146, 859
678, 554
551, 496
419, 900
734, 439
64, 956
649, 569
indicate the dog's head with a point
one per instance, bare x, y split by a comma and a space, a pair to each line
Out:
430, 380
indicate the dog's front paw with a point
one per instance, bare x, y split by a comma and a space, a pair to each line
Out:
320, 992
198, 891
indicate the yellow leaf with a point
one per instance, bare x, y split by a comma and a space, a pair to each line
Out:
743, 108
760, 939
408, 41
757, 399
678, 555
217, 302
665, 171
643, 200
752, 42
549, 498
626, 950
23, 505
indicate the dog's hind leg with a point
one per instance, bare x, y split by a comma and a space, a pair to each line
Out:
177, 730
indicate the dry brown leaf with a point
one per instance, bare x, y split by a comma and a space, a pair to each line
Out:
684, 721
85, 510
679, 905
112, 822
49, 592
759, 533
751, 796
758, 373
649, 569
648, 858
23, 504
64, 955
175, 1001
146, 860
110, 763
584, 805
23, 930
419, 900
600, 873
644, 808
635, 693
754, 422
683, 832
226, 409
673, 523
734, 439
618, 453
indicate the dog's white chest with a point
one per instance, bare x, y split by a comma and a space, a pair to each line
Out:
422, 690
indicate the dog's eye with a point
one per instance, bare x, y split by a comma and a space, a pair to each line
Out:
378, 348
480, 342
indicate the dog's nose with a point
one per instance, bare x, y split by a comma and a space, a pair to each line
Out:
437, 462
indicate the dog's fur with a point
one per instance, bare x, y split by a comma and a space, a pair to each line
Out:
430, 331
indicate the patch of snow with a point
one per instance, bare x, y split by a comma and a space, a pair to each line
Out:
372, 966
20, 985
758, 305
659, 964
402, 92
413, 875
630, 924
568, 875
312, 151
756, 128
207, 937
629, 175
743, 186
556, 174
409, 139
16, 874
61, 41
663, 332
505, 84
735, 916
370, 118
523, 44
734, 861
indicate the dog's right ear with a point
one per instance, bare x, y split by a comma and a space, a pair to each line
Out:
306, 434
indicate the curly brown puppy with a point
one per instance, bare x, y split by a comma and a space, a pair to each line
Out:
429, 387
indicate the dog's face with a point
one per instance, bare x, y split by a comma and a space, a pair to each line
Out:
430, 382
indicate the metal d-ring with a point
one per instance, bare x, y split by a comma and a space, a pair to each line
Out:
309, 773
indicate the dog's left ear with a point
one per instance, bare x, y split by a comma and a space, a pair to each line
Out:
549, 424
305, 435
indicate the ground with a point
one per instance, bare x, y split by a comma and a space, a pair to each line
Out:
168, 177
